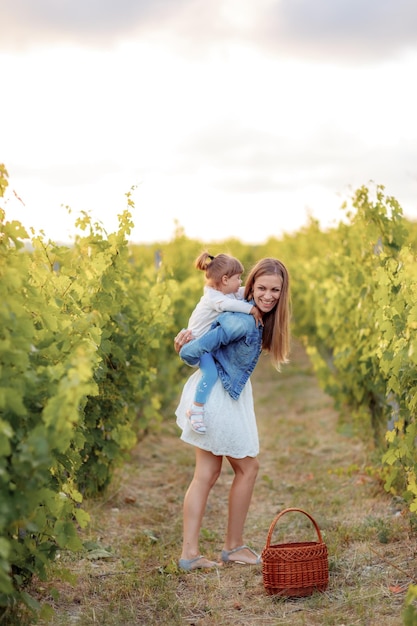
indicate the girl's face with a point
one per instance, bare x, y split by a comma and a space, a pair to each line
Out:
266, 291
231, 284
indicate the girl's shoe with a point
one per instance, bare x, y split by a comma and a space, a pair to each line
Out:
196, 419
244, 560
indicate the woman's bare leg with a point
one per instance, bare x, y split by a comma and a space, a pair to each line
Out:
246, 471
207, 470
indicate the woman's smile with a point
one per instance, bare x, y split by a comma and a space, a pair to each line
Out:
268, 304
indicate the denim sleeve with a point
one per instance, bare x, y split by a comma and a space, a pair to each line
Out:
227, 328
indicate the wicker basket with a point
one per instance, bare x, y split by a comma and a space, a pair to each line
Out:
295, 569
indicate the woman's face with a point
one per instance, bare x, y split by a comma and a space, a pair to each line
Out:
266, 291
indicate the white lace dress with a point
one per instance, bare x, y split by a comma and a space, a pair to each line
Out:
231, 424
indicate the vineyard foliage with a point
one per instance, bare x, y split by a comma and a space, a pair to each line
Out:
355, 303
80, 331
87, 365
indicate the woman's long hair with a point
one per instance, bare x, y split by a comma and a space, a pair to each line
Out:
276, 333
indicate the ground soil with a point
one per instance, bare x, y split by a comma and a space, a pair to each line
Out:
128, 574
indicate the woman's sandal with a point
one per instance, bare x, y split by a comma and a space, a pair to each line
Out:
196, 422
190, 564
244, 561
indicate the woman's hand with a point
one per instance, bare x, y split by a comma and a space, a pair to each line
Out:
183, 337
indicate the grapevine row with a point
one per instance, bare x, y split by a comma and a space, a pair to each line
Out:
80, 329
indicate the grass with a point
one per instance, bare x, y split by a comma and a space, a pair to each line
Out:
128, 573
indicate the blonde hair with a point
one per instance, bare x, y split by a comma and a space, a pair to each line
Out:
276, 332
218, 266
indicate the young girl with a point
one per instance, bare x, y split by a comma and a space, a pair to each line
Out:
222, 292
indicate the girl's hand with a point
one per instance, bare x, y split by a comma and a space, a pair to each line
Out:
183, 337
257, 314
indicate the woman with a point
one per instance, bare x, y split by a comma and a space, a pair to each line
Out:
235, 341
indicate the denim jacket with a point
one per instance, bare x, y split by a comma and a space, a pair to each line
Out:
235, 342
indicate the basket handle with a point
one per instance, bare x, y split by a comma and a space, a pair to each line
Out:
271, 528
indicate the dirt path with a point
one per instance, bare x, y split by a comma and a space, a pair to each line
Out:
129, 574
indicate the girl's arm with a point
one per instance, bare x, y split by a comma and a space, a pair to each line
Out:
221, 302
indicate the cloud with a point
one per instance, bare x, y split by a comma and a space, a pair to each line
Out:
349, 30
337, 29
88, 22
84, 171
235, 159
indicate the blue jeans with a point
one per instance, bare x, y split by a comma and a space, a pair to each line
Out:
235, 342
208, 378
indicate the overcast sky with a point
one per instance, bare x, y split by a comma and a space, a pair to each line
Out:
230, 117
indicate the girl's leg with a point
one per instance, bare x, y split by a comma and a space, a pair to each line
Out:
205, 384
207, 380
207, 470
246, 471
